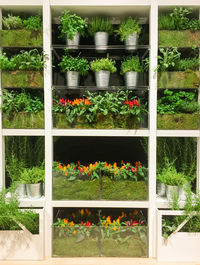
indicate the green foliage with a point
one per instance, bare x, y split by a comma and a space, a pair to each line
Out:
70, 63
99, 24
165, 22
104, 64
131, 64
127, 27
14, 102
11, 216
5, 63
33, 23
167, 58
187, 64
71, 24
179, 16
177, 102
33, 175
12, 22
194, 24
14, 168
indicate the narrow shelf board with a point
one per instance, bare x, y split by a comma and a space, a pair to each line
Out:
22, 47
21, 3
101, 48
162, 202
23, 132
95, 88
180, 88
26, 202
100, 132
178, 133
102, 204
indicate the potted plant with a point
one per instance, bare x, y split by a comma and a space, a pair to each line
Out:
18, 32
101, 28
34, 178
178, 29
21, 226
71, 27
102, 68
73, 66
130, 67
129, 31
22, 70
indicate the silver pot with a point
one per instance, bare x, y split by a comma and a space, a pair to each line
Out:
160, 189
183, 191
34, 191
131, 78
131, 41
73, 44
102, 78
72, 78
101, 40
20, 190
172, 192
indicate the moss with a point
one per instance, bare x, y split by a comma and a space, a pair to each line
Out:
123, 190
82, 123
104, 121
60, 121
75, 190
24, 120
20, 38
178, 121
22, 79
184, 38
188, 79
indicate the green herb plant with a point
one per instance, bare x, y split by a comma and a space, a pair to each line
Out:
131, 64
167, 58
33, 175
127, 27
14, 168
100, 24
12, 22
103, 64
33, 23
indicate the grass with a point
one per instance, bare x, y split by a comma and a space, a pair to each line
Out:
175, 38
24, 120
187, 79
22, 79
178, 121
20, 38
123, 190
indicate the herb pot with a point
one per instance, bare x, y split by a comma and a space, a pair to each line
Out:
160, 189
131, 41
72, 78
101, 40
20, 190
73, 44
131, 78
34, 191
102, 78
172, 192
183, 192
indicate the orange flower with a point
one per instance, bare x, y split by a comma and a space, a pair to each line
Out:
74, 232
105, 164
89, 213
72, 223
82, 212
65, 221
122, 162
68, 166
60, 167
114, 228
66, 173
115, 165
116, 171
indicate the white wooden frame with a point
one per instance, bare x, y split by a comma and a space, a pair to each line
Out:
152, 133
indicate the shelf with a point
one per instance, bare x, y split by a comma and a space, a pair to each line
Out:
178, 133
23, 132
101, 48
32, 203
162, 202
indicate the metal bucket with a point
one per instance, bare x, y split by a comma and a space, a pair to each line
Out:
73, 44
101, 40
72, 79
172, 192
102, 78
131, 79
20, 190
131, 42
161, 189
34, 191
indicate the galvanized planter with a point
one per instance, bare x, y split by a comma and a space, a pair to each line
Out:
73, 44
72, 78
131, 78
20, 190
131, 42
101, 40
34, 191
102, 79
160, 189
172, 192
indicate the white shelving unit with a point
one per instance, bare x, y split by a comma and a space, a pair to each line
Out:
50, 9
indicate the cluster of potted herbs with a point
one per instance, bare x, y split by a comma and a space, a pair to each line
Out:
103, 67
101, 111
73, 26
100, 180
85, 233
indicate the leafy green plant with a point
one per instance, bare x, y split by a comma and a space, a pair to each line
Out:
187, 64
33, 23
105, 64
14, 168
167, 58
179, 16
33, 175
5, 63
131, 64
165, 22
127, 27
100, 24
12, 22
70, 63
71, 24
194, 24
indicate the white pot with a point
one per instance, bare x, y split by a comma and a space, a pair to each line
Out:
172, 192
72, 79
131, 78
131, 41
101, 40
73, 44
34, 191
20, 190
102, 79
160, 189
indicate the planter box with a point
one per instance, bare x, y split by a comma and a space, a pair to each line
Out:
24, 120
20, 38
176, 38
22, 79
179, 121
123, 190
76, 245
124, 244
187, 79
179, 247
22, 245
78, 189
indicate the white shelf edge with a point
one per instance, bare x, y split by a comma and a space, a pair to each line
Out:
93, 132
178, 3
32, 203
21, 3
162, 202
178, 133
102, 204
23, 132
103, 3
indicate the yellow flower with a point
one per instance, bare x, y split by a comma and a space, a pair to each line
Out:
114, 228
82, 212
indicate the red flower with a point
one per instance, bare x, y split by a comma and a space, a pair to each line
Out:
87, 224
